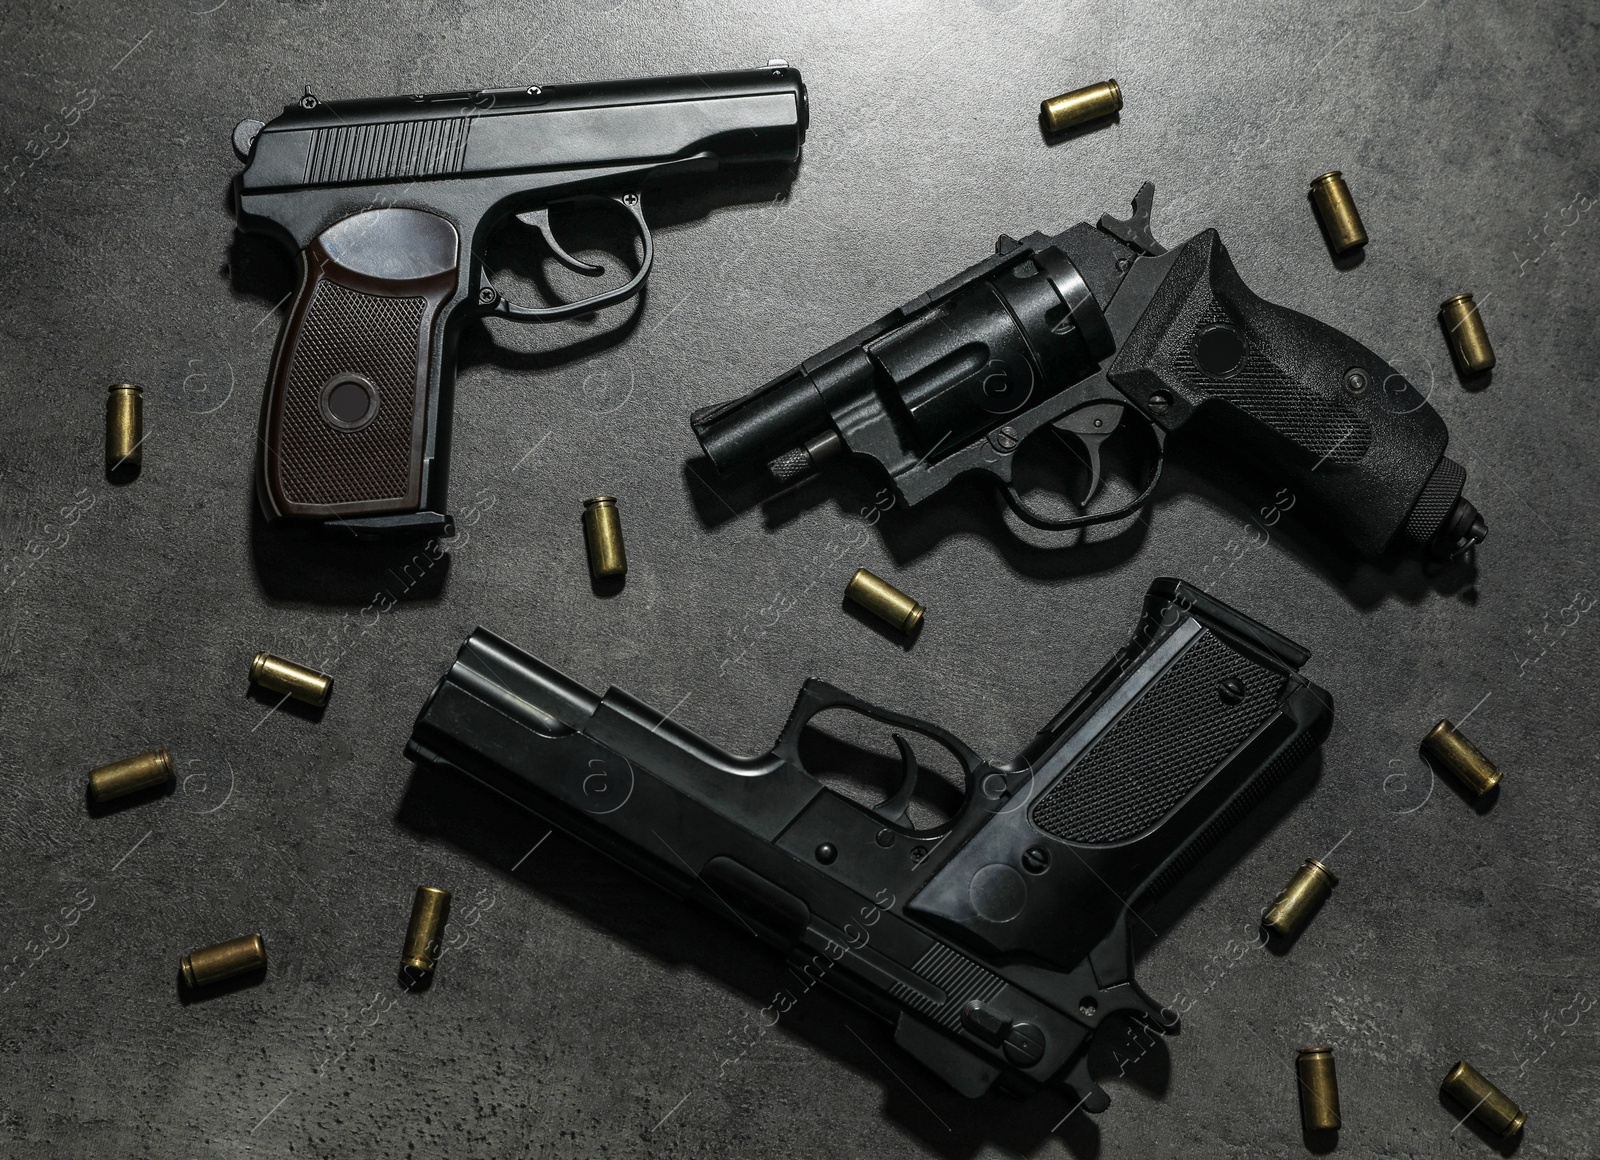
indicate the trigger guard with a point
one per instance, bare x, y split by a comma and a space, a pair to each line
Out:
817, 696
894, 809
497, 305
1032, 518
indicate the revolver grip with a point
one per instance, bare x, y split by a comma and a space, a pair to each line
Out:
1297, 400
357, 373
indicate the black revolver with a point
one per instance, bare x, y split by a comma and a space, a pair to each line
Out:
996, 942
1071, 332
388, 204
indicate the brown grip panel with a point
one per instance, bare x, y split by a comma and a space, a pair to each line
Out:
344, 419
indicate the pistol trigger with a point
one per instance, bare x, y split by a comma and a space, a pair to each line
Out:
1091, 426
1091, 1096
895, 809
539, 219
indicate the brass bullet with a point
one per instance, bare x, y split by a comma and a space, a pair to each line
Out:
602, 532
1319, 1089
1469, 341
1307, 890
884, 601
210, 965
1455, 753
130, 775
1485, 1103
429, 912
1089, 103
292, 680
124, 430
1337, 209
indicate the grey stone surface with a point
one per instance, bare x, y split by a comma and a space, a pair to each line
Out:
585, 1015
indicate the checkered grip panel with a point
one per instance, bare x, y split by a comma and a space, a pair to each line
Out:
1161, 748
376, 337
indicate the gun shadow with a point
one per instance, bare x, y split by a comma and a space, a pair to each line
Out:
444, 806
335, 566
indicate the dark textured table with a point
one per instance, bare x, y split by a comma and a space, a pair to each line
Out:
580, 1013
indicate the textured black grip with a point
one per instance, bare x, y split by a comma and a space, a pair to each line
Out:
1163, 752
1292, 398
1201, 709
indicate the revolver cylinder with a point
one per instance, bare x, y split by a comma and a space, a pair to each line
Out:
927, 378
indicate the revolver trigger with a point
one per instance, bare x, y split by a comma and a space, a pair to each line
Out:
1091, 426
894, 810
539, 219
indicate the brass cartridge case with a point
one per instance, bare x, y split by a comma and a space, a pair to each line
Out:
884, 601
602, 533
429, 911
1469, 341
1337, 209
1319, 1089
1307, 890
1486, 1103
1455, 753
124, 430
292, 680
210, 965
1089, 103
130, 775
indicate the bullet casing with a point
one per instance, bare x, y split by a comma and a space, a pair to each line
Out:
1089, 103
1490, 1106
430, 909
602, 532
213, 964
130, 775
1319, 1089
1337, 209
124, 429
1469, 341
292, 680
1461, 758
1307, 890
884, 601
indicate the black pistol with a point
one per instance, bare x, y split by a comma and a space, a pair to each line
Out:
994, 941
389, 204
1070, 334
